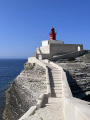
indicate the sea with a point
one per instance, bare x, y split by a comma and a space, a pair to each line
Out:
9, 69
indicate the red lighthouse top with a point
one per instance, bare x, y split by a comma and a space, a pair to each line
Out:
52, 34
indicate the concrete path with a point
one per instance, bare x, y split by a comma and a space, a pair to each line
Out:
52, 108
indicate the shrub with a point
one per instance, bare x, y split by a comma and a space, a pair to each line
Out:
29, 66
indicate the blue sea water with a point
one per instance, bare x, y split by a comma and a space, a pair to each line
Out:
9, 69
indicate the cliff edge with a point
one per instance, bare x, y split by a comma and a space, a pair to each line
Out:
24, 91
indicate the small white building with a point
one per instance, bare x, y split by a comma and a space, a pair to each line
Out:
53, 47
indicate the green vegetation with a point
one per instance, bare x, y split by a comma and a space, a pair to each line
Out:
32, 66
29, 66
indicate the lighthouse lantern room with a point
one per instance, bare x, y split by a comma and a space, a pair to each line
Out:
52, 34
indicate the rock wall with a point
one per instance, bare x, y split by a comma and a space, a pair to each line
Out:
24, 91
78, 74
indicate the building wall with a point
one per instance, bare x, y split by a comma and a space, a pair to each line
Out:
43, 50
44, 56
51, 49
64, 48
47, 42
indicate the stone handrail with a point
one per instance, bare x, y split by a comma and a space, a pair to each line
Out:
32, 109
75, 109
48, 83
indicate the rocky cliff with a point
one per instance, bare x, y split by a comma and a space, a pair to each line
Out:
31, 82
24, 91
78, 74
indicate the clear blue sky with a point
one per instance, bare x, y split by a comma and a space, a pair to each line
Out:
25, 23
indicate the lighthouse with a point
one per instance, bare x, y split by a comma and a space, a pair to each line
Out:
52, 47
52, 34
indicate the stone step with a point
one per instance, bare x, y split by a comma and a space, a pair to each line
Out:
57, 81
55, 70
58, 91
54, 100
59, 78
59, 95
54, 79
57, 85
57, 88
56, 75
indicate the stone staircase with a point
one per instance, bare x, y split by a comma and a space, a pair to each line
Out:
55, 81
52, 109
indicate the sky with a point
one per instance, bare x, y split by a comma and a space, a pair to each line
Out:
25, 23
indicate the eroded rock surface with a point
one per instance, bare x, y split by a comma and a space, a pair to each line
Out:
78, 74
24, 91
